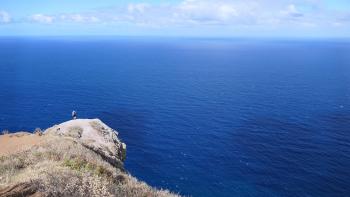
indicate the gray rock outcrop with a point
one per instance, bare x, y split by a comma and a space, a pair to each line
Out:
95, 135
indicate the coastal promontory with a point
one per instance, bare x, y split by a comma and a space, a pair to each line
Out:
82, 157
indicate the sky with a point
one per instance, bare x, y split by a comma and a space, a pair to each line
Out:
194, 18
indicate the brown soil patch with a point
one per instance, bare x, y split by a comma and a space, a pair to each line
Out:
17, 142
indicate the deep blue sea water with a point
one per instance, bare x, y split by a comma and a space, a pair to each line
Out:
202, 117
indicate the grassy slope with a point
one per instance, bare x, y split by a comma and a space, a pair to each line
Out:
63, 167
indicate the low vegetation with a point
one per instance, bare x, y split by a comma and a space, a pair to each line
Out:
63, 167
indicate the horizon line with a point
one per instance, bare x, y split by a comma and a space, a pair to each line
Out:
181, 37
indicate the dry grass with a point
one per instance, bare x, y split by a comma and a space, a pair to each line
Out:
75, 132
63, 167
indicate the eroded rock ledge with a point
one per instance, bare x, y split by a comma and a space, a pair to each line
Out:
95, 135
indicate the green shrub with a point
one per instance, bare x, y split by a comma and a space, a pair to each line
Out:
79, 164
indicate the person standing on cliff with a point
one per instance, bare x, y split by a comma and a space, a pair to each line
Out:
74, 115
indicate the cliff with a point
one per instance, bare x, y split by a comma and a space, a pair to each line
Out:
82, 157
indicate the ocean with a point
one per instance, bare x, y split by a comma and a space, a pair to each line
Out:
200, 116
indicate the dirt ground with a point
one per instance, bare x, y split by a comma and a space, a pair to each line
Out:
12, 143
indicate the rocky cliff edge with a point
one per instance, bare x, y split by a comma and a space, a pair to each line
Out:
82, 157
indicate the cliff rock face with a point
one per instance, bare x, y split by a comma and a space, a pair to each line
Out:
82, 157
93, 134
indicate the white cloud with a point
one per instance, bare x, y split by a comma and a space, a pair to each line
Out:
207, 13
137, 7
78, 18
41, 18
71, 18
4, 17
233, 13
291, 11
